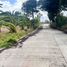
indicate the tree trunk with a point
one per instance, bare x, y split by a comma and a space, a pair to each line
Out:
32, 15
33, 20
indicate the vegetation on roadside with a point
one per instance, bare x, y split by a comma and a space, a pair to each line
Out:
8, 39
60, 23
15, 25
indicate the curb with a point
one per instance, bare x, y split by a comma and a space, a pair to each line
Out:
26, 37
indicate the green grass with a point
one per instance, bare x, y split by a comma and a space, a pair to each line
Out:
7, 39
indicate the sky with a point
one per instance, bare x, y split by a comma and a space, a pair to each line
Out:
11, 5
11, 1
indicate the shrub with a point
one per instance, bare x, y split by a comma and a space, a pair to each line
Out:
9, 43
25, 22
11, 27
64, 28
53, 25
60, 22
35, 23
9, 39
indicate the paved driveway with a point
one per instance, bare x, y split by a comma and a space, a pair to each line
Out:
47, 48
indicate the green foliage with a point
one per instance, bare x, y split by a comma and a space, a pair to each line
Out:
24, 21
35, 23
15, 19
5, 18
64, 28
53, 7
30, 7
12, 21
9, 43
61, 20
8, 39
64, 4
11, 26
9, 17
1, 23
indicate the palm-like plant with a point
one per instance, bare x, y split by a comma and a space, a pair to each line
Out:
0, 11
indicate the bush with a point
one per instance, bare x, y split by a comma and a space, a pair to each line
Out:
59, 23
35, 23
11, 27
64, 28
24, 22
9, 43
9, 39
53, 25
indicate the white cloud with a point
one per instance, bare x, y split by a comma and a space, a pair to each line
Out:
64, 13
44, 16
7, 6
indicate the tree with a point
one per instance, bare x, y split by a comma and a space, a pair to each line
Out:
64, 4
1, 5
10, 17
24, 22
30, 7
53, 7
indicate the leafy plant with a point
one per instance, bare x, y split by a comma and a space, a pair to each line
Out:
11, 27
61, 21
35, 23
9, 43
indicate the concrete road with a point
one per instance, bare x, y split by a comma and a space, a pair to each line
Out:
47, 48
